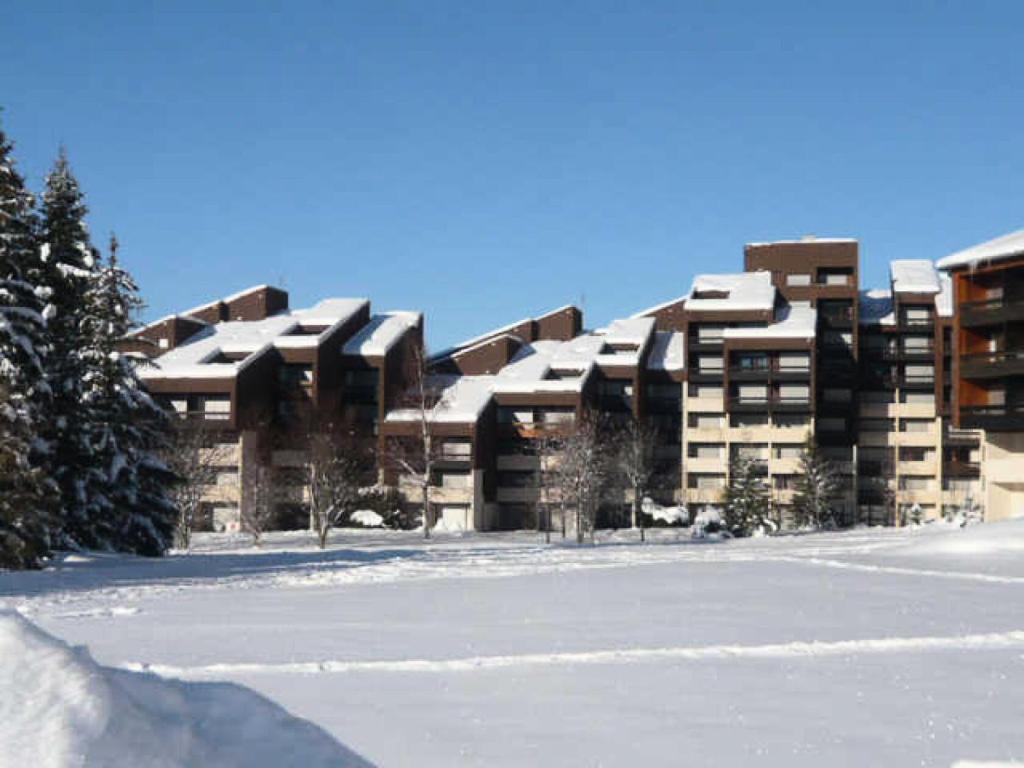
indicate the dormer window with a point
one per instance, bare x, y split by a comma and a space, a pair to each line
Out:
711, 294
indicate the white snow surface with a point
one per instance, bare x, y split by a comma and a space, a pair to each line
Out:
668, 352
1003, 247
379, 335
865, 647
744, 291
914, 276
791, 322
193, 359
60, 708
944, 300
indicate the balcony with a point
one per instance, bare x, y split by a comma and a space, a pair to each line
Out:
958, 468
917, 380
990, 312
986, 365
776, 403
836, 317
996, 418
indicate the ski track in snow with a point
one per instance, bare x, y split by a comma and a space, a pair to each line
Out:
483, 563
792, 650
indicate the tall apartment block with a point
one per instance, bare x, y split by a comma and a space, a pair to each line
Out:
987, 362
914, 392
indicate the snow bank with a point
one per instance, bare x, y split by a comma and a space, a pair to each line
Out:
60, 708
367, 518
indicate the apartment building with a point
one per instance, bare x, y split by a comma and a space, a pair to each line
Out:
252, 372
912, 391
987, 363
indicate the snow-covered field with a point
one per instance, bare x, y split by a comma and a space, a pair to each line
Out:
869, 647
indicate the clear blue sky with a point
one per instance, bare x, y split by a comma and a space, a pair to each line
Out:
483, 161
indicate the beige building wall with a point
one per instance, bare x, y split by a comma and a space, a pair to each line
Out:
1002, 471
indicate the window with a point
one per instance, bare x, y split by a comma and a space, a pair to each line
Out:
915, 453
557, 416
709, 364
516, 479
917, 343
753, 451
710, 334
792, 420
456, 449
834, 277
794, 393
749, 420
882, 397
295, 375
837, 395
751, 361
831, 424
701, 391
798, 279
794, 361
706, 420
915, 425
706, 482
706, 450
918, 398
877, 425
755, 393
455, 480
787, 451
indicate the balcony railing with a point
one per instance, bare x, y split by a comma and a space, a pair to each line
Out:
766, 403
993, 358
958, 468
991, 311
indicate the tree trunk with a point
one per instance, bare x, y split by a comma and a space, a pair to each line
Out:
426, 511
638, 521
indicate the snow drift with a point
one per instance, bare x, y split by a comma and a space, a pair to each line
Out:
60, 708
990, 539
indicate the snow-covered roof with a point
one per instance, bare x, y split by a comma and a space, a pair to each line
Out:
1003, 247
914, 276
744, 291
325, 315
382, 332
806, 239
791, 322
668, 353
462, 400
164, 319
876, 306
632, 330
550, 366
944, 299
200, 356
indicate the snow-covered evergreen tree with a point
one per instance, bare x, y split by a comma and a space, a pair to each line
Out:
27, 498
747, 507
130, 504
70, 262
816, 487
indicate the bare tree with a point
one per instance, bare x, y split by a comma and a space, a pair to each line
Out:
196, 459
416, 457
546, 446
634, 459
336, 470
581, 473
257, 512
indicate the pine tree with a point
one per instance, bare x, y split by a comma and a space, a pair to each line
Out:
816, 487
131, 508
747, 507
70, 262
27, 498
